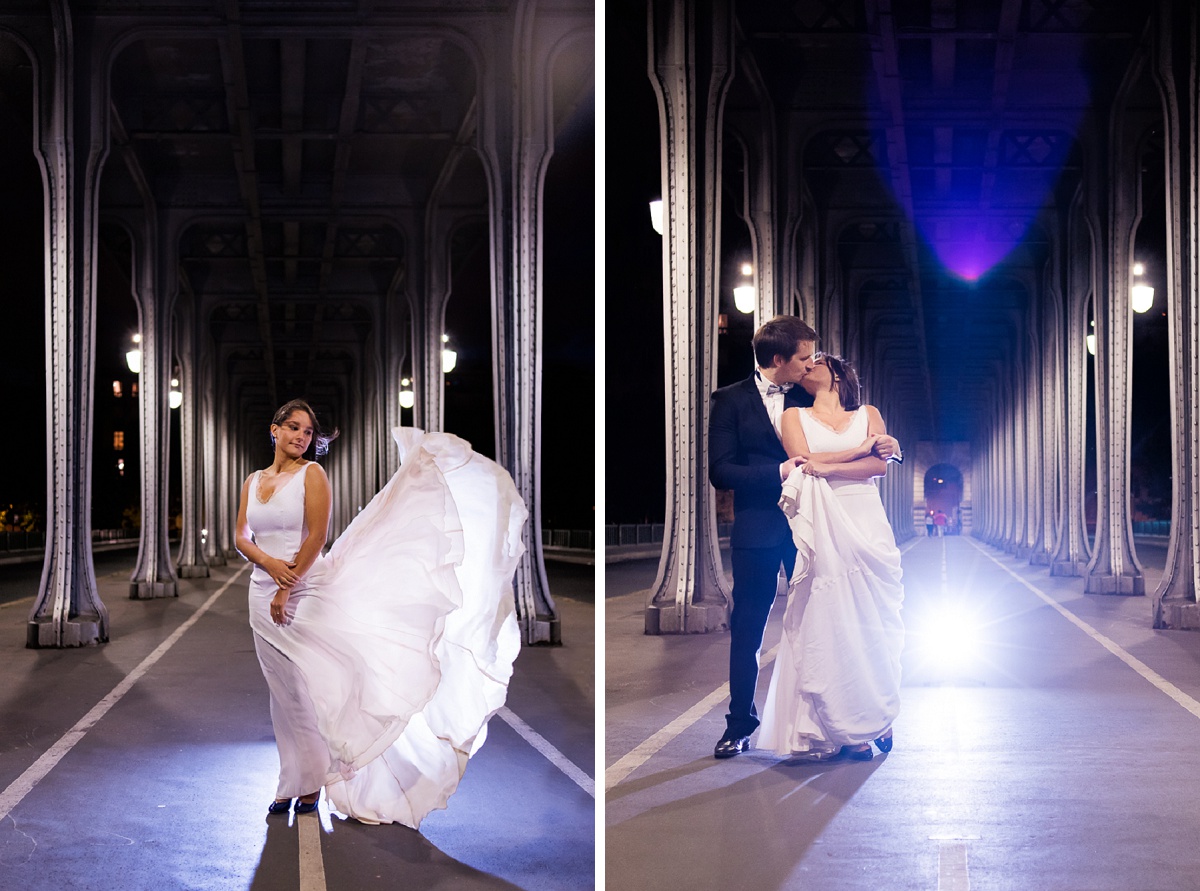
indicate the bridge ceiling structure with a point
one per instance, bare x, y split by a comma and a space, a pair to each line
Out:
940, 143
300, 154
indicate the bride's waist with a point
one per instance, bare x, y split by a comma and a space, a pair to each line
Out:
852, 487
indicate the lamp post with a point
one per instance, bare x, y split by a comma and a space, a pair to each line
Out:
449, 356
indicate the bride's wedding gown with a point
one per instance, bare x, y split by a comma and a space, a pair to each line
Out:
836, 680
401, 639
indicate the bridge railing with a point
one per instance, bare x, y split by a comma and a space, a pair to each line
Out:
619, 534
36, 541
575, 539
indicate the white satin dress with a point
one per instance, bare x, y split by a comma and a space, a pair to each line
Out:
836, 680
401, 640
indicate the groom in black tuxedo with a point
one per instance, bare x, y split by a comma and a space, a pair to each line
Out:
746, 454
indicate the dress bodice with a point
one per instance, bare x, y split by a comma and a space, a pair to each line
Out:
278, 525
824, 439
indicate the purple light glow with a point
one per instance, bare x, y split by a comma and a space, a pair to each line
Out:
967, 258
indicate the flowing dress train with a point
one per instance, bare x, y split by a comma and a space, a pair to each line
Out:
836, 680
400, 641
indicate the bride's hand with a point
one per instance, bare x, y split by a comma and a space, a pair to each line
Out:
281, 572
278, 607
867, 446
816, 468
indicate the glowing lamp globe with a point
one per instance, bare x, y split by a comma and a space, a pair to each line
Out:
743, 298
656, 217
1143, 298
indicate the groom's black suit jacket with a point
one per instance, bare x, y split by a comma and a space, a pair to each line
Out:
744, 455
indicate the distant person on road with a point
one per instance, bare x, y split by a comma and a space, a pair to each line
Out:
939, 520
929, 524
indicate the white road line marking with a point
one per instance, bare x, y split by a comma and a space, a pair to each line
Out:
1108, 643
627, 764
952, 867
22, 785
546, 748
312, 864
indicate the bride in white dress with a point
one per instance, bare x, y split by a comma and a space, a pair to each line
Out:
835, 687
386, 657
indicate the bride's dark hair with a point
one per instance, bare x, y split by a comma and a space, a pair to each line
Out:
844, 379
321, 438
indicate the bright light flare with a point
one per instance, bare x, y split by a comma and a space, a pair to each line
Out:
949, 638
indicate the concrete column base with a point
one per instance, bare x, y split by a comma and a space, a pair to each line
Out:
152, 590
214, 559
194, 571
700, 619
1181, 615
1124, 585
1040, 558
1023, 552
81, 631
1068, 568
547, 632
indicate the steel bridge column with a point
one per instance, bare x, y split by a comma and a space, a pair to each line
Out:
72, 144
691, 65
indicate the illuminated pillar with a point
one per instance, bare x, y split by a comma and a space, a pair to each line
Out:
72, 140
1177, 52
1114, 568
192, 564
691, 64
514, 140
1072, 553
155, 280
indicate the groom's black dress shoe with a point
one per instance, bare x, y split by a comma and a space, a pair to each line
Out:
730, 746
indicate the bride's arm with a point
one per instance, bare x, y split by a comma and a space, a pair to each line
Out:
859, 463
280, 571
317, 500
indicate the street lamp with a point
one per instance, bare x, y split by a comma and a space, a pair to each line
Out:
1091, 340
743, 298
175, 397
407, 397
449, 356
133, 358
1143, 294
744, 294
656, 219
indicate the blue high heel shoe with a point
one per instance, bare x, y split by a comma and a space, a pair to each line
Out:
885, 742
307, 807
279, 807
